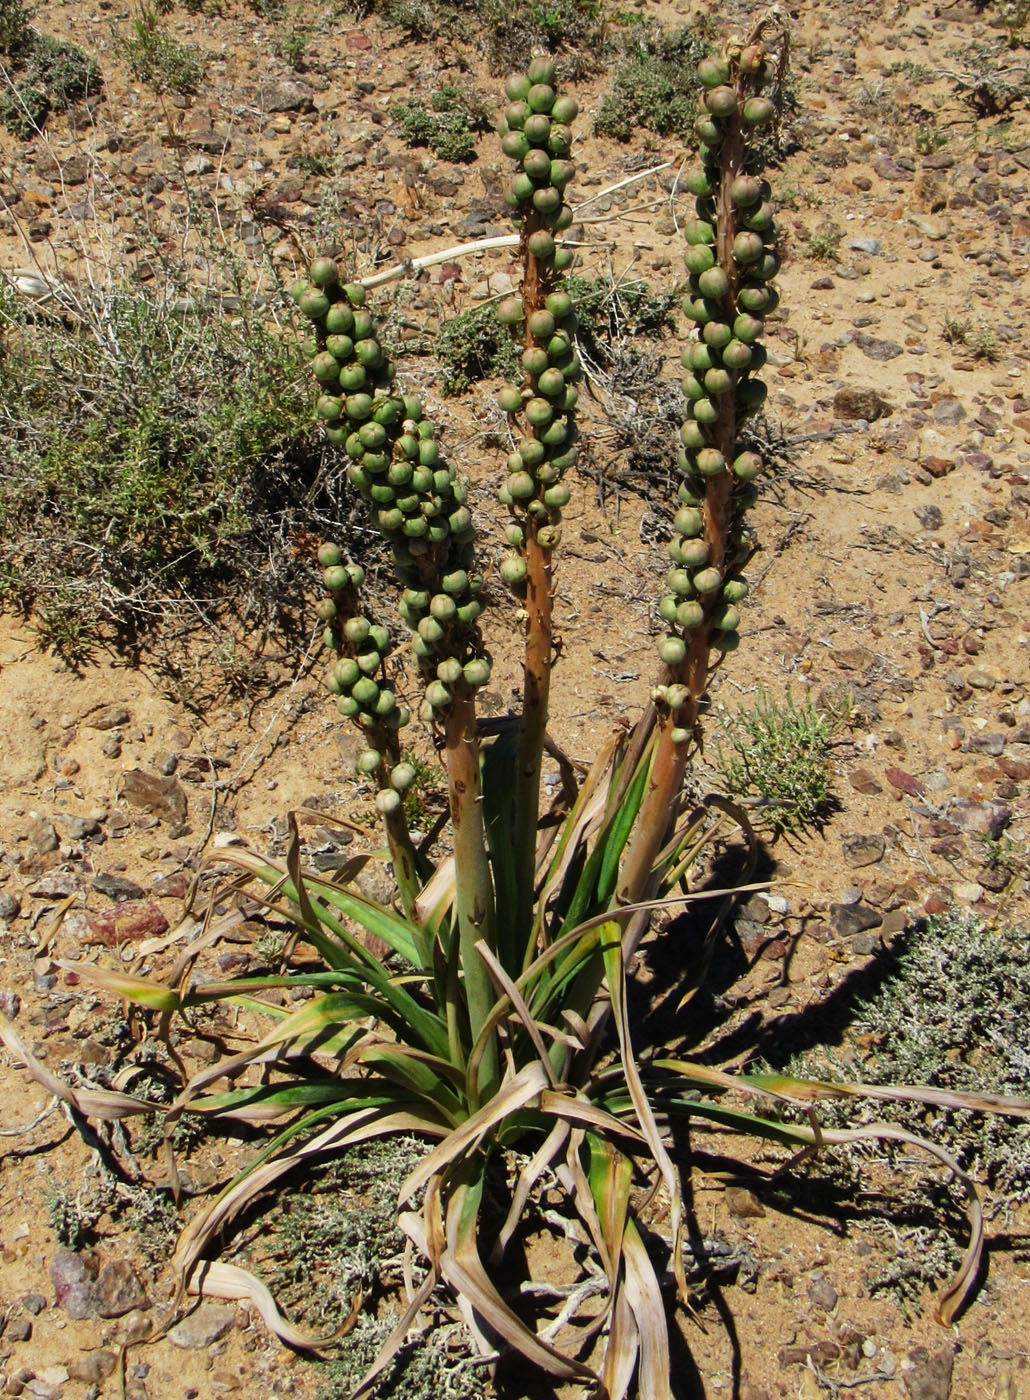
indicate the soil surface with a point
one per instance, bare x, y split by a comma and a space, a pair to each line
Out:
892, 590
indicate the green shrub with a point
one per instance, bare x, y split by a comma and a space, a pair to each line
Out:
950, 1013
474, 346
46, 75
656, 85
449, 125
177, 442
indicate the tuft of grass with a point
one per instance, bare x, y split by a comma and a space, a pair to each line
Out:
979, 339
656, 85
779, 753
824, 244
158, 58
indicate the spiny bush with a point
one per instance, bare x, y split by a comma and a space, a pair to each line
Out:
656, 84
179, 439
42, 74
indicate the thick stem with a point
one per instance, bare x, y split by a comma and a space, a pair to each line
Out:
538, 652
474, 885
404, 860
671, 757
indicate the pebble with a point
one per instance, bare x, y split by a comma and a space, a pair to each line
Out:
849, 919
822, 1294
118, 1290
968, 892
201, 1328
929, 1377
860, 850
110, 717
10, 906
980, 818
872, 246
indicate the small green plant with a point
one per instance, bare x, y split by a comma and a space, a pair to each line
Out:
656, 84
824, 244
779, 753
949, 1015
158, 58
472, 346
449, 125
42, 74
980, 339
929, 139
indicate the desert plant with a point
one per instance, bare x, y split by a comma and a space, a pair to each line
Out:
39, 74
779, 753
487, 1012
158, 58
449, 124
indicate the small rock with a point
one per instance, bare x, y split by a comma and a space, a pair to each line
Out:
110, 717
849, 919
968, 892
10, 1004
863, 781
19, 1329
92, 1367
744, 1204
930, 1376
203, 1327
133, 919
118, 1290
199, 164
948, 412
289, 95
822, 1294
58, 884
854, 404
33, 1303
10, 906
905, 782
930, 227
981, 680
980, 818
870, 246
73, 1284
992, 744
929, 517
43, 836
164, 797
875, 349
117, 887
860, 850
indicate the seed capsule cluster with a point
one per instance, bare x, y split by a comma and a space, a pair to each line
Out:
536, 133
731, 260
357, 677
416, 498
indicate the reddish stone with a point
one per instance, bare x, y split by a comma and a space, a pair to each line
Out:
124, 923
905, 782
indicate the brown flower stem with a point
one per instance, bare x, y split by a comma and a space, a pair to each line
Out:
474, 902
538, 651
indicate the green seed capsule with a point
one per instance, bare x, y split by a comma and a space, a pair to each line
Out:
678, 580
347, 706
513, 570
687, 522
387, 802
705, 411
748, 248
517, 86
710, 462
746, 191
515, 144
541, 69
565, 110
539, 413
509, 399
721, 101
313, 304
365, 691
509, 311
541, 97
369, 662
714, 283
725, 641
707, 580
736, 355
747, 466
355, 293
335, 578
402, 777
551, 383
536, 163
751, 394
339, 319
693, 554
713, 72
667, 608
689, 615
537, 127
698, 258
698, 183
438, 697
521, 486
708, 131
449, 670
759, 111
699, 231
534, 361
672, 650
747, 328
735, 589
541, 244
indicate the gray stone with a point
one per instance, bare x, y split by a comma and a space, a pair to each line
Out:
199, 164
10, 906
73, 1284
58, 884
118, 1290
862, 849
980, 818
930, 1376
117, 887
92, 1367
110, 717
202, 1327
948, 412
872, 246
849, 919
289, 95
875, 349
822, 1294
42, 835
992, 744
